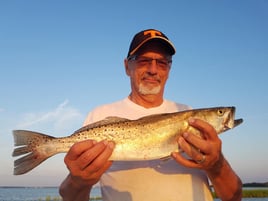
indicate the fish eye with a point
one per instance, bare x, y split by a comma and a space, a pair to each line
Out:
220, 112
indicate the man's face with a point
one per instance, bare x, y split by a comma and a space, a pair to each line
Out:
148, 70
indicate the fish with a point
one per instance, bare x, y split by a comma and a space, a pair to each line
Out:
147, 138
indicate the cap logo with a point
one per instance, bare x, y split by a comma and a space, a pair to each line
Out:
153, 33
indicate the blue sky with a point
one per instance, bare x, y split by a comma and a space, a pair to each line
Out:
60, 59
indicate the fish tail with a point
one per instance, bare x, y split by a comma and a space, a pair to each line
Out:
29, 145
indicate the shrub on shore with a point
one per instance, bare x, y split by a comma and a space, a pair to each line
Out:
254, 193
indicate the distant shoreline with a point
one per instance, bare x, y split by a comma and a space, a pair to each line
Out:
256, 184
252, 184
28, 186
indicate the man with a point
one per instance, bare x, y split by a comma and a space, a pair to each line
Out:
184, 177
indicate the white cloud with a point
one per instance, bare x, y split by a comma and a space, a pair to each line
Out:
59, 120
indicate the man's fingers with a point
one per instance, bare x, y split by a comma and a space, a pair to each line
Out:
103, 155
205, 128
78, 148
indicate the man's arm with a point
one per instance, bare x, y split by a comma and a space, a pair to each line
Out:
86, 161
208, 156
70, 191
226, 183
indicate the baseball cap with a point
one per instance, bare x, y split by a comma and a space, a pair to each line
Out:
148, 35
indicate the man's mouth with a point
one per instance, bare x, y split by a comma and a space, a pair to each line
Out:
151, 80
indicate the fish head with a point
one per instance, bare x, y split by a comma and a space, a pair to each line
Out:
222, 118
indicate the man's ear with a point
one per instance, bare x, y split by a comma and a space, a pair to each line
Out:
126, 67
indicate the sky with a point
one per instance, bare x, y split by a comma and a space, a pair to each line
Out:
60, 59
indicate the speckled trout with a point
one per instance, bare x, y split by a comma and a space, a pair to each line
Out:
146, 138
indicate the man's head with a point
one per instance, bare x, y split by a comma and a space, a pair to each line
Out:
148, 63
148, 35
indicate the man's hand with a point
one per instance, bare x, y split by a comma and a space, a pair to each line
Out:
205, 153
88, 160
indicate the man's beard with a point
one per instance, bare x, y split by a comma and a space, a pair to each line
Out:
145, 90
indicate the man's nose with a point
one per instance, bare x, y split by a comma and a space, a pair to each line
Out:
152, 68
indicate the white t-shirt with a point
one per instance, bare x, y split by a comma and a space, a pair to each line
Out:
154, 180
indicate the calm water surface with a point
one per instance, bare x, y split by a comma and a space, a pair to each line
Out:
32, 194
42, 194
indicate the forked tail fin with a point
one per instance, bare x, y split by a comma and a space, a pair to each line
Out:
30, 145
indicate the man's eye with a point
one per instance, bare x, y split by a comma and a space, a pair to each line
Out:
162, 62
144, 61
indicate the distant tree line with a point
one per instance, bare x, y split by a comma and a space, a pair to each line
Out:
255, 184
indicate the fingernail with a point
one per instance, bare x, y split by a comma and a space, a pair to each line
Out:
180, 141
174, 155
191, 120
185, 135
111, 145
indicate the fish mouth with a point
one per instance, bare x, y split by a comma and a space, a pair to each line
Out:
237, 122
231, 122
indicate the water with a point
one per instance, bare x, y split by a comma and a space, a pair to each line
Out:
33, 194
51, 193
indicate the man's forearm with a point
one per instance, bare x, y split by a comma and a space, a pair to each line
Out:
226, 183
70, 191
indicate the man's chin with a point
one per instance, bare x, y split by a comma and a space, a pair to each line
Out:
149, 90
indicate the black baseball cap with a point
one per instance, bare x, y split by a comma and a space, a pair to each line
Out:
148, 35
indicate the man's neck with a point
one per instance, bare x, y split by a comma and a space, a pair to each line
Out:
147, 101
